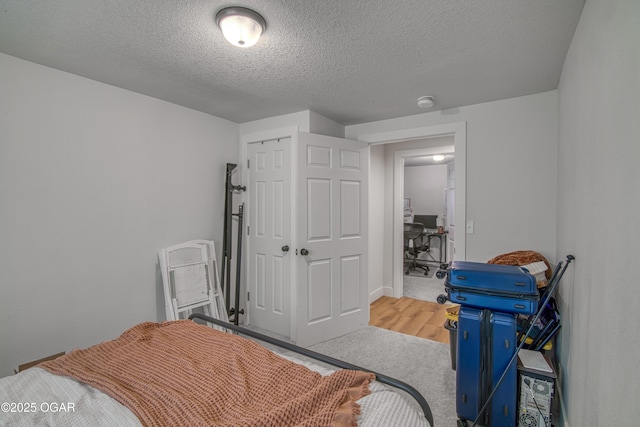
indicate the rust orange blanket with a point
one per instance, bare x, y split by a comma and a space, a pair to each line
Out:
181, 373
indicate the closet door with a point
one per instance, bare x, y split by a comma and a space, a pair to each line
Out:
332, 283
269, 281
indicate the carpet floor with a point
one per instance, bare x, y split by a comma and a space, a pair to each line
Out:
424, 364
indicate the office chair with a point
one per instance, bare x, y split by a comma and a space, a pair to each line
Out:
415, 242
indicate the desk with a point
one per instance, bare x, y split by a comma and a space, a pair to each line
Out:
442, 253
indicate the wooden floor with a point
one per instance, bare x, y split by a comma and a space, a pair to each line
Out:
409, 316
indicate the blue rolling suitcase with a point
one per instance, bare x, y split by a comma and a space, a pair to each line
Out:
486, 343
504, 288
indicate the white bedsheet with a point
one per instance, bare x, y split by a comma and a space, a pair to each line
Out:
383, 407
39, 390
37, 398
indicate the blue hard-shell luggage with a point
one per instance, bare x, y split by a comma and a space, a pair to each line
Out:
497, 287
470, 389
503, 343
486, 343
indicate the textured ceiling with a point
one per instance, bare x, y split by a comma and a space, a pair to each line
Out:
353, 61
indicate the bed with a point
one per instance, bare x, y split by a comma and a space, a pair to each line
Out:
184, 372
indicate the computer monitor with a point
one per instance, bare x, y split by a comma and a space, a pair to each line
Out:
429, 221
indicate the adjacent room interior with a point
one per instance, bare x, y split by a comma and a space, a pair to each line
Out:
426, 202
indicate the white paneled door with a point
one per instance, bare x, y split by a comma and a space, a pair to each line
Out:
324, 294
332, 288
269, 281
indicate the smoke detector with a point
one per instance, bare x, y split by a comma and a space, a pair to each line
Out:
426, 101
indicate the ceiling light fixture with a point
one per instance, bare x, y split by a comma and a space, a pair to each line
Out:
241, 27
438, 157
426, 101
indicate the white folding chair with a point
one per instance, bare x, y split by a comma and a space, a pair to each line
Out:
190, 280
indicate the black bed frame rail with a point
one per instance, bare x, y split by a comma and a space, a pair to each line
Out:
324, 358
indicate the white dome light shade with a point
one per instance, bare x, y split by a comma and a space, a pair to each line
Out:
438, 157
240, 26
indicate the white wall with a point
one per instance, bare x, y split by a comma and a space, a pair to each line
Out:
511, 170
425, 186
306, 121
301, 120
94, 180
377, 209
324, 126
599, 216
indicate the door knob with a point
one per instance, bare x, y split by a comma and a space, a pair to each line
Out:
304, 252
285, 248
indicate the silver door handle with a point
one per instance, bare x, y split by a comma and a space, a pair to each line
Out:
304, 252
285, 248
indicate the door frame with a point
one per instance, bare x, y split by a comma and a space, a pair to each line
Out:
458, 131
267, 135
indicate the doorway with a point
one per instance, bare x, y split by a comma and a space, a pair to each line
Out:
426, 207
387, 198
401, 156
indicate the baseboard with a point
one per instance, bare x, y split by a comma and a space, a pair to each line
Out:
388, 290
562, 422
376, 294
380, 292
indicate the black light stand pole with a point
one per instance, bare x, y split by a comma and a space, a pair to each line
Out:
226, 241
236, 311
